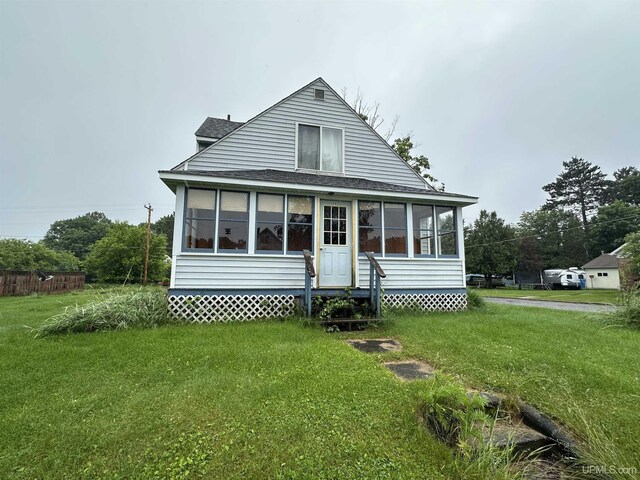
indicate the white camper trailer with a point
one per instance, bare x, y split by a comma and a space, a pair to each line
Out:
569, 278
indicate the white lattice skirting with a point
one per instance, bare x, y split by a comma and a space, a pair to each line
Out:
430, 302
230, 308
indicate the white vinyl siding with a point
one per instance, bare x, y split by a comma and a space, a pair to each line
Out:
270, 142
415, 273
238, 272
609, 281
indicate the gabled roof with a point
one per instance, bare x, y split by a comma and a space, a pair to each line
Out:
603, 261
217, 127
311, 179
185, 162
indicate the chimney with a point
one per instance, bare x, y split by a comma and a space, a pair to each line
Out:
228, 116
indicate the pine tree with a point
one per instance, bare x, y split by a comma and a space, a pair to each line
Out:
578, 188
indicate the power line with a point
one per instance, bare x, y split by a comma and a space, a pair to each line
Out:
515, 239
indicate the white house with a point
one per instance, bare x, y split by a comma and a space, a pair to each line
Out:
604, 271
307, 174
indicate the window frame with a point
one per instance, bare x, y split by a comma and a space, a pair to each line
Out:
248, 222
454, 211
414, 229
284, 224
384, 231
216, 196
381, 227
312, 170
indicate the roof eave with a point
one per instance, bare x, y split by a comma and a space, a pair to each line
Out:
174, 178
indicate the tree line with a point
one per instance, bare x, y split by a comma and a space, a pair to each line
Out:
107, 251
586, 213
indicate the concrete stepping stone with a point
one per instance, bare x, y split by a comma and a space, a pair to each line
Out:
411, 370
376, 345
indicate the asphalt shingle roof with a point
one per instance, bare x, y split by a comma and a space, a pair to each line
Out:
603, 261
300, 178
217, 127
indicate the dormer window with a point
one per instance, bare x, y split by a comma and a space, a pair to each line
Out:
320, 148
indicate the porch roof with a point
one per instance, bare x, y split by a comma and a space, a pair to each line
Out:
309, 182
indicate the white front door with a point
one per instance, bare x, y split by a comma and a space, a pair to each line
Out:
335, 244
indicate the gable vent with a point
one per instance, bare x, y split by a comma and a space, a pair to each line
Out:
318, 94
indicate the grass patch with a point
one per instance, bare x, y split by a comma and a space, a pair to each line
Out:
628, 313
141, 307
581, 296
564, 363
276, 400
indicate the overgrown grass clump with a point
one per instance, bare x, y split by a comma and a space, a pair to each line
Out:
474, 299
628, 313
139, 308
459, 420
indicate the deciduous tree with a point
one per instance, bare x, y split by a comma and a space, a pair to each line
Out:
490, 248
164, 226
611, 224
120, 255
76, 235
553, 237
25, 255
403, 147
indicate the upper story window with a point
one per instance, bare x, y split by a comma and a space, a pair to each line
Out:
320, 148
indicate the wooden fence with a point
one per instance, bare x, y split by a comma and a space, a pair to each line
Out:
24, 283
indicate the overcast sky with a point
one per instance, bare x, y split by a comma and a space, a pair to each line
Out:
96, 97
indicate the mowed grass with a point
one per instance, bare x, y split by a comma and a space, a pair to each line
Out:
279, 400
270, 400
581, 296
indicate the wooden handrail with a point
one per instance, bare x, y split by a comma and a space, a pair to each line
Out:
308, 263
375, 264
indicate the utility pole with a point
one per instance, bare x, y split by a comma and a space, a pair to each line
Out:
146, 255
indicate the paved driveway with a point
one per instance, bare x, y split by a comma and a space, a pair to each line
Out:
575, 307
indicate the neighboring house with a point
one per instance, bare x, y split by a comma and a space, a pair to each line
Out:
307, 174
604, 271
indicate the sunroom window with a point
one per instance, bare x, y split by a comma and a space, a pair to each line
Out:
233, 226
446, 224
370, 227
270, 223
299, 224
423, 231
320, 148
395, 229
200, 219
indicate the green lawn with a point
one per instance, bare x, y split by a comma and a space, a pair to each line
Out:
279, 400
583, 296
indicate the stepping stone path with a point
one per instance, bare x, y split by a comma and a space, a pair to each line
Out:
379, 345
411, 370
527, 431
